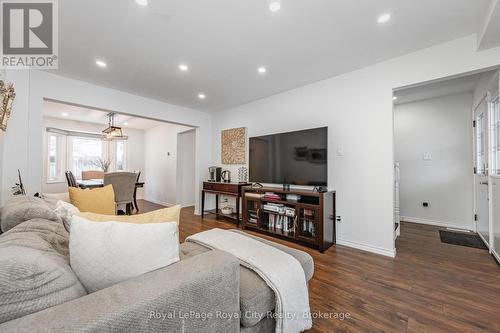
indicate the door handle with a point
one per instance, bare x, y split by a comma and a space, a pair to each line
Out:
483, 183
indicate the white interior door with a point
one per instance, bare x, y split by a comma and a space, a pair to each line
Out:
495, 173
481, 148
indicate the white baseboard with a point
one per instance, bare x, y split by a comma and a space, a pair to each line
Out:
496, 256
368, 248
187, 205
433, 222
486, 242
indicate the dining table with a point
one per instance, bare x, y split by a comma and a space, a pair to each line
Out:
95, 183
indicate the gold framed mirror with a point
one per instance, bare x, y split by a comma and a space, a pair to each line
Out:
7, 96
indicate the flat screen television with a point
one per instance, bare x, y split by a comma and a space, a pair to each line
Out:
296, 158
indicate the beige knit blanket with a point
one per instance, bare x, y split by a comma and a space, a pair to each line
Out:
281, 271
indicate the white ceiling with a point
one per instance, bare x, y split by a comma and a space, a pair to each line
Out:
440, 88
70, 112
489, 35
224, 41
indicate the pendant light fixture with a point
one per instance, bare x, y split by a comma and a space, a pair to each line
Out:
112, 132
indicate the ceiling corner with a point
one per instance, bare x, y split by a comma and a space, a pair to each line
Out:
489, 35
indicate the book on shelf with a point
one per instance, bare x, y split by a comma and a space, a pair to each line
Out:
308, 214
289, 225
271, 196
290, 211
252, 218
275, 208
278, 223
293, 197
308, 228
279, 208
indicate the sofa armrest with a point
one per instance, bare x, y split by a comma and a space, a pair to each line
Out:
198, 294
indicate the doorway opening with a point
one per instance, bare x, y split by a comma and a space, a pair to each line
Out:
446, 149
74, 141
186, 145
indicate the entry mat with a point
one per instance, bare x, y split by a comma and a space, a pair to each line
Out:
463, 239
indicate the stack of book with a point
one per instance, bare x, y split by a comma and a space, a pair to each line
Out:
290, 211
292, 197
275, 208
271, 196
252, 218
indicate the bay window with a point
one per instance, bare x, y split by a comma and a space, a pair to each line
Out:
83, 154
77, 151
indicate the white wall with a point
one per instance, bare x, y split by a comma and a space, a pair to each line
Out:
134, 153
185, 168
2, 77
440, 127
1, 163
161, 163
23, 147
357, 108
482, 87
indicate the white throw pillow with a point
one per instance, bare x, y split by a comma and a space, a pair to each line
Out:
65, 210
53, 198
105, 253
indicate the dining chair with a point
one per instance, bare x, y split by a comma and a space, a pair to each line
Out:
123, 186
92, 174
70, 178
138, 172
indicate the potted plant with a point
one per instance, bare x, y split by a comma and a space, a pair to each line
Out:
102, 164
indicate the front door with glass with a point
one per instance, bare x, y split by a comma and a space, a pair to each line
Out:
481, 169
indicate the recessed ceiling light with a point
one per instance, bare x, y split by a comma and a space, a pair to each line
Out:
394, 98
274, 6
183, 67
125, 123
262, 70
201, 96
384, 18
100, 63
142, 2
64, 114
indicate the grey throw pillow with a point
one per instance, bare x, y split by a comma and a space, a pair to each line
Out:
34, 269
21, 209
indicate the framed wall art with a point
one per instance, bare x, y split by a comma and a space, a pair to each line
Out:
7, 96
233, 146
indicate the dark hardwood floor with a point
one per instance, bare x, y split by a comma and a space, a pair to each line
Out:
146, 206
428, 287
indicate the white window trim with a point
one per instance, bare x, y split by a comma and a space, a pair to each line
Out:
60, 158
494, 119
113, 154
64, 153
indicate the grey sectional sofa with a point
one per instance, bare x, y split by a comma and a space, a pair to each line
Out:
206, 291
